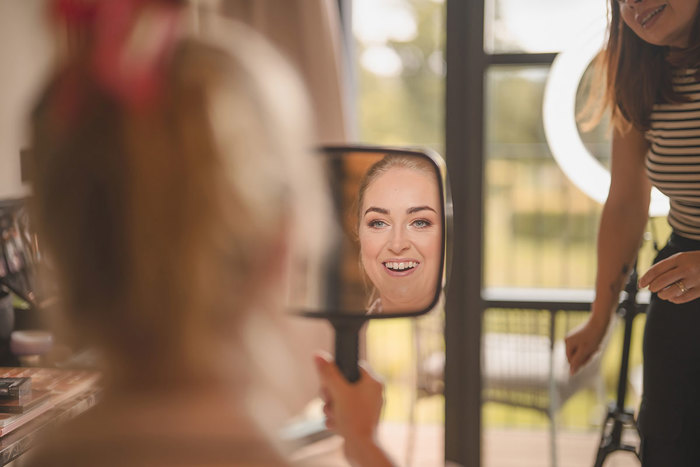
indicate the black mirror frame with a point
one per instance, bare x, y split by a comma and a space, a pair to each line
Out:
447, 215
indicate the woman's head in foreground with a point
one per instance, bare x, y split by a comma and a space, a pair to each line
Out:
169, 218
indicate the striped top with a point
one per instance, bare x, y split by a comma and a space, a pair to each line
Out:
673, 160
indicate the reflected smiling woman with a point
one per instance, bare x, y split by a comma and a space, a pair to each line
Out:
400, 233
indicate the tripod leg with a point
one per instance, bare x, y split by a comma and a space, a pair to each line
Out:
553, 396
617, 414
604, 441
553, 440
600, 457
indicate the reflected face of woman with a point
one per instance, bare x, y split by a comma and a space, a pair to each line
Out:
661, 22
401, 237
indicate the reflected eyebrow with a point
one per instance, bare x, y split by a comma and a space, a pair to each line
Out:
419, 208
376, 209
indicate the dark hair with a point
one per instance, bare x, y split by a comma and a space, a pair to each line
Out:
632, 75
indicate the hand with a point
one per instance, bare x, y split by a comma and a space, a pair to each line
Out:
352, 410
583, 342
676, 279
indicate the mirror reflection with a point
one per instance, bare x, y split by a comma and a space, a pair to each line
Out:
400, 233
389, 257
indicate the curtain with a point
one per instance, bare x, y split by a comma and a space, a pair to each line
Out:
308, 33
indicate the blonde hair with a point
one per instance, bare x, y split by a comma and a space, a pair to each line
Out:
382, 166
167, 227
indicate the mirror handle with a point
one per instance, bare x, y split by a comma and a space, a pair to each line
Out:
347, 345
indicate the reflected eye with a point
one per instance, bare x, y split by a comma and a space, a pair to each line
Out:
377, 224
421, 223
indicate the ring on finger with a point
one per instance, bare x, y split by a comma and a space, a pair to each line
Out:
681, 286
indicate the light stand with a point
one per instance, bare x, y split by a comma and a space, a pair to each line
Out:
618, 417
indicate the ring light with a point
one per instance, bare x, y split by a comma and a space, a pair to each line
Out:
561, 132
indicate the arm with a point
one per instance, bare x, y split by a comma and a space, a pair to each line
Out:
620, 232
352, 410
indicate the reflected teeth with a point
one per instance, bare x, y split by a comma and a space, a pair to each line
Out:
395, 266
652, 14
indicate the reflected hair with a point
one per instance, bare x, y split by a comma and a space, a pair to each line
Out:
382, 166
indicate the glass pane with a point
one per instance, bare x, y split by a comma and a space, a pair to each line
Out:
539, 229
539, 232
400, 74
400, 71
597, 140
541, 26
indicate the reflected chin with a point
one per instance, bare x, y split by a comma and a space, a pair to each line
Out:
417, 303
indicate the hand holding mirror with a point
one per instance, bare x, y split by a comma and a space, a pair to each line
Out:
388, 259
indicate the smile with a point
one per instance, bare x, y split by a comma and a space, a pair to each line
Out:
400, 266
651, 15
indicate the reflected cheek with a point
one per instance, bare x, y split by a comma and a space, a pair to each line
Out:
370, 269
431, 249
370, 247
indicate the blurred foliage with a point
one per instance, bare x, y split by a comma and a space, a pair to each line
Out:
407, 109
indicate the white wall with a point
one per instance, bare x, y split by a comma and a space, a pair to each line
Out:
25, 55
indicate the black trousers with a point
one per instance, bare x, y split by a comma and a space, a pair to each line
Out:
669, 416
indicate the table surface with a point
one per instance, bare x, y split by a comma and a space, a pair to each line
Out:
20, 440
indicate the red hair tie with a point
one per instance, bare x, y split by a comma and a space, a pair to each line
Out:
132, 43
74, 13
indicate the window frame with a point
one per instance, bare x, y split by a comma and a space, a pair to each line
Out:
467, 64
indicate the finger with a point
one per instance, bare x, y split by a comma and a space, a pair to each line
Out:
366, 370
656, 270
327, 410
325, 395
688, 296
670, 292
667, 279
322, 357
579, 360
571, 349
331, 377
572, 358
674, 291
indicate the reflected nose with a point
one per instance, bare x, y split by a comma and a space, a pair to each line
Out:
399, 241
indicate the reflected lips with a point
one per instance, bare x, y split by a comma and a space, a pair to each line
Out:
400, 267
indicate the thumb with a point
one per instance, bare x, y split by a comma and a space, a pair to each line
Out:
571, 350
577, 361
328, 372
366, 372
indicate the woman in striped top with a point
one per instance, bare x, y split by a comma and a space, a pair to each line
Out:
650, 80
